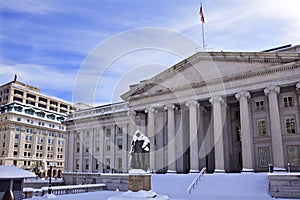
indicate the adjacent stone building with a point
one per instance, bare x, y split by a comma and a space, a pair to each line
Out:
31, 132
227, 111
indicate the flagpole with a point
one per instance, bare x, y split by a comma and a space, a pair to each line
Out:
203, 43
202, 23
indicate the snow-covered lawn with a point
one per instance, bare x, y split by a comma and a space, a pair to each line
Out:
252, 186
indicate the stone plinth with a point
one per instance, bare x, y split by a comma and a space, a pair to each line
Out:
284, 185
138, 182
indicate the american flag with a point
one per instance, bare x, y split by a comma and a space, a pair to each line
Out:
201, 14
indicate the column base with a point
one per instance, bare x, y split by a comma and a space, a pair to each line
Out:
194, 171
246, 170
219, 171
171, 171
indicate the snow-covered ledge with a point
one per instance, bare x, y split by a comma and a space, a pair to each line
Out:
284, 185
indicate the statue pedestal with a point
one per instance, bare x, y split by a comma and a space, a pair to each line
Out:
138, 182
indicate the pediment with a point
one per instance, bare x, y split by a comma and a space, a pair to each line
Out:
208, 67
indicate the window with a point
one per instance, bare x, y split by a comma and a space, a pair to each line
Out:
40, 114
19, 119
288, 101
290, 125
97, 148
77, 163
107, 163
17, 128
262, 127
15, 153
259, 105
119, 130
119, 163
263, 156
107, 145
29, 111
16, 136
77, 147
86, 163
16, 145
108, 132
40, 139
119, 143
293, 155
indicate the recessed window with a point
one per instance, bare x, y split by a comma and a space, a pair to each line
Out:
259, 105
288, 101
290, 126
293, 155
119, 143
263, 156
262, 127
108, 132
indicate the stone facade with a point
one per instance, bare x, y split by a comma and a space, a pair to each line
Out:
226, 111
31, 132
285, 185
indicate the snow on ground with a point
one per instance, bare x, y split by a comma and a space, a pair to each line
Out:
245, 186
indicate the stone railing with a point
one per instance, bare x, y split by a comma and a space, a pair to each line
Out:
284, 185
61, 190
195, 181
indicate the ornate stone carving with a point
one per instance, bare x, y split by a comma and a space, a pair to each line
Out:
241, 94
216, 99
272, 89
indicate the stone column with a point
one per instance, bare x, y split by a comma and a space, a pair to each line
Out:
151, 136
246, 133
171, 138
81, 150
218, 133
277, 146
91, 150
124, 149
201, 134
101, 150
70, 151
194, 150
113, 147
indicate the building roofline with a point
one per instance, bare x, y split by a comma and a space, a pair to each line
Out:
223, 56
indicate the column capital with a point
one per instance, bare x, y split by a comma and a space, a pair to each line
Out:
192, 103
151, 109
272, 89
171, 106
216, 99
298, 86
242, 94
131, 112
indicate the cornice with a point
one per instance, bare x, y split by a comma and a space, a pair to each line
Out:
251, 74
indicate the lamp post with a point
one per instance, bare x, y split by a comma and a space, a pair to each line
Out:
50, 175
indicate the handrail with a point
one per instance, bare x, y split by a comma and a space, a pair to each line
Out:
195, 181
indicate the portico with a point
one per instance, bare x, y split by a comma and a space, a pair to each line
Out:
229, 128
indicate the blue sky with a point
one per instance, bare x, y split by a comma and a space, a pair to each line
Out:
47, 43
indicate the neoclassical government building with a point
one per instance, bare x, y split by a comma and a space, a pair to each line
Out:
226, 111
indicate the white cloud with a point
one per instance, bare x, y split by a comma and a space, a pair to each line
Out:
38, 75
31, 6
